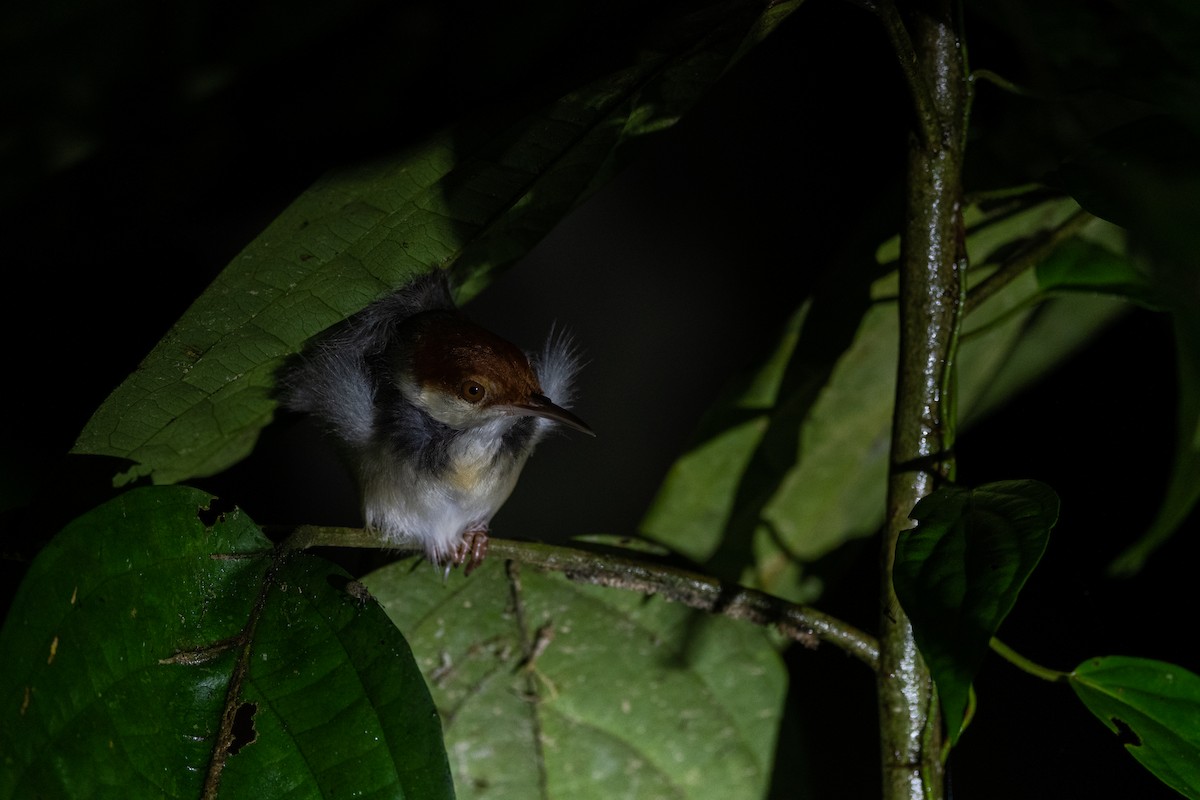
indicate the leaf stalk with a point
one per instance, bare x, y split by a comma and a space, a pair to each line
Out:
1024, 664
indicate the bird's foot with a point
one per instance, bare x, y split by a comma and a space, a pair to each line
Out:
471, 550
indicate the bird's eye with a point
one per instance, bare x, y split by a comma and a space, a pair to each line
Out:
471, 391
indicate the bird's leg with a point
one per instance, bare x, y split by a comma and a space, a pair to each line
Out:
472, 549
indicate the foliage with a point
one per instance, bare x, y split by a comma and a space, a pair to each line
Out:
1156, 703
597, 688
190, 642
959, 573
157, 644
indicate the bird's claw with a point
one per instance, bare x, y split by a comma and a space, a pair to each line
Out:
471, 551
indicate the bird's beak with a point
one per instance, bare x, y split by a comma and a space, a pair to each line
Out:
540, 406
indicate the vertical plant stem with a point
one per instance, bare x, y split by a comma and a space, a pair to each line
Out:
932, 262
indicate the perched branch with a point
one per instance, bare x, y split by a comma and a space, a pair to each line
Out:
797, 622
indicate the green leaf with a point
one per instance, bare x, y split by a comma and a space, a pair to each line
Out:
554, 689
1045, 316
150, 619
476, 197
1078, 265
958, 574
791, 462
1142, 174
1154, 702
1183, 488
1144, 177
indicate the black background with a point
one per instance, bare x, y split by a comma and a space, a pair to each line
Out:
149, 144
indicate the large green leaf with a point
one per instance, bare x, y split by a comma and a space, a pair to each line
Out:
958, 574
477, 197
552, 689
1141, 172
145, 625
1154, 702
1145, 176
792, 462
1183, 489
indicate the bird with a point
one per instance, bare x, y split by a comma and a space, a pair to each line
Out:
435, 415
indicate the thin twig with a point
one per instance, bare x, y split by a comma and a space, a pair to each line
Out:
999, 80
929, 124
702, 592
1026, 258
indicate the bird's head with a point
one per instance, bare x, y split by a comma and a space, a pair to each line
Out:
465, 376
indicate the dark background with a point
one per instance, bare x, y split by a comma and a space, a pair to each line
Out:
148, 144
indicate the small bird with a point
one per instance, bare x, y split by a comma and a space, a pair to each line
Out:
436, 415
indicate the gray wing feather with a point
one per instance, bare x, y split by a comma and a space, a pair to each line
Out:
335, 378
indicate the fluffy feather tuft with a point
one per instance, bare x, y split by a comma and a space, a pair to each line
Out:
421, 480
557, 366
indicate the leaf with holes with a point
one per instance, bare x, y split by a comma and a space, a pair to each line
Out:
156, 646
554, 689
958, 574
1157, 703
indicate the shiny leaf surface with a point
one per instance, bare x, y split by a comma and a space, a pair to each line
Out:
958, 574
1152, 703
152, 618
